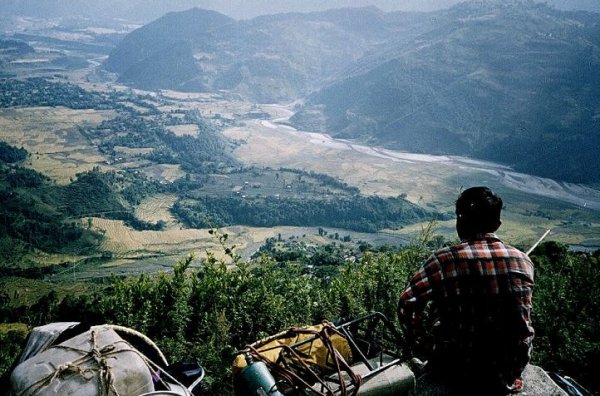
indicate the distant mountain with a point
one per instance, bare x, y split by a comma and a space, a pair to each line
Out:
270, 58
192, 27
148, 10
512, 81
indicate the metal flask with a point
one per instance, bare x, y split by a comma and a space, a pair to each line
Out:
256, 379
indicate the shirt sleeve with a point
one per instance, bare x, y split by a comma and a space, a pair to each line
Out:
418, 292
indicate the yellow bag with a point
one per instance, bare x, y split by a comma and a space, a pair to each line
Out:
320, 342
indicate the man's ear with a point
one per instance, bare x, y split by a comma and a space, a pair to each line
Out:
498, 224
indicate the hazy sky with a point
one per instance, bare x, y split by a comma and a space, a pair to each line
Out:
242, 9
145, 10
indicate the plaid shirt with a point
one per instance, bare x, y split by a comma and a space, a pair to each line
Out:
481, 291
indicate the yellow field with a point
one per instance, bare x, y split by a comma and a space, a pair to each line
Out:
208, 104
268, 146
57, 149
175, 241
166, 172
157, 208
183, 130
432, 182
132, 151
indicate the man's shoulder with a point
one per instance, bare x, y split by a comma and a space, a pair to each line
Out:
445, 251
516, 252
489, 244
512, 251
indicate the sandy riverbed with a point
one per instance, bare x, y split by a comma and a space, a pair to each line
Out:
292, 144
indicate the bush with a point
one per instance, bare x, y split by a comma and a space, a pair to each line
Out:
566, 312
12, 340
208, 313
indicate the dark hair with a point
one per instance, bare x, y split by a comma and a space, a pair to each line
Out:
479, 208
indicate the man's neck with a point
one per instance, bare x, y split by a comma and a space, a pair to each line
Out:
479, 236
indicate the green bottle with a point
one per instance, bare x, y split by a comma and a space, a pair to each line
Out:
255, 379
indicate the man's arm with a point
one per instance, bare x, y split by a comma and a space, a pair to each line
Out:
413, 300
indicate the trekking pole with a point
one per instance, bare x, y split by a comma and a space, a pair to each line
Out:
538, 241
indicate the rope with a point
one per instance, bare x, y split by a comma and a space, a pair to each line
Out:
288, 375
293, 378
148, 341
67, 368
105, 374
100, 356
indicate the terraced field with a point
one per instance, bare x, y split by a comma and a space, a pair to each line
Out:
60, 152
50, 135
532, 204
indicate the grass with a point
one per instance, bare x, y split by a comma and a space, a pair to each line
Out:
6, 328
27, 291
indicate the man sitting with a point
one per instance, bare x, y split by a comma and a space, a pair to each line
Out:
480, 293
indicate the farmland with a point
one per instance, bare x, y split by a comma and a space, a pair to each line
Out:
120, 174
172, 165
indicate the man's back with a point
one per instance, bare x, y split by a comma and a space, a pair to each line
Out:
484, 304
481, 291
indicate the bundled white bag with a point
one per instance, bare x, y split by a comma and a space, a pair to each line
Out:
97, 362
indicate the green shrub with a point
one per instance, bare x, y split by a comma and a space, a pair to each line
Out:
207, 313
12, 340
566, 312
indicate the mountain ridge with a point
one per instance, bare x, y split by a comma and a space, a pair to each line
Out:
295, 51
147, 10
481, 75
534, 94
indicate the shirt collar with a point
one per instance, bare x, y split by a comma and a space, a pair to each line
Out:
482, 236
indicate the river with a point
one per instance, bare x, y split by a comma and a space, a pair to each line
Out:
578, 194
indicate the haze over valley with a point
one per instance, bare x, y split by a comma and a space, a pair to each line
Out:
209, 172
354, 125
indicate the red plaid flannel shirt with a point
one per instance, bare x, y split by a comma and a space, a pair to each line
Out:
481, 291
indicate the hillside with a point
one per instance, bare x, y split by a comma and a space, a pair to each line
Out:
517, 75
93, 160
267, 59
512, 82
